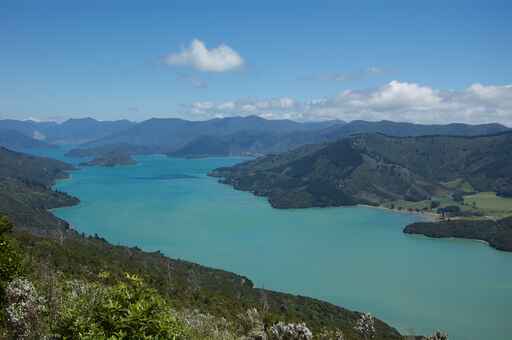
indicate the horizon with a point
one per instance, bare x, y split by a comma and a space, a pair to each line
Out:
432, 65
339, 121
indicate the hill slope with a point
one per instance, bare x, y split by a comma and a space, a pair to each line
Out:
72, 131
375, 168
13, 139
25, 190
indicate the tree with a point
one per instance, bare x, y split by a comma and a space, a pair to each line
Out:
434, 204
10, 259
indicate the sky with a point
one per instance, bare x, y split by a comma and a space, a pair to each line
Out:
417, 61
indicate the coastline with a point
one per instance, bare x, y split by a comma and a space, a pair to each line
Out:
425, 216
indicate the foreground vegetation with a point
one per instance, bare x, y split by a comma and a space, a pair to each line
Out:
84, 288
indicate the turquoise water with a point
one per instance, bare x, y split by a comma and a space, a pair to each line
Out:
355, 257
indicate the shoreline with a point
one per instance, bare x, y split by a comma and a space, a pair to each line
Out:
426, 216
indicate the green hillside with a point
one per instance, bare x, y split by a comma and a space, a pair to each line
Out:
376, 169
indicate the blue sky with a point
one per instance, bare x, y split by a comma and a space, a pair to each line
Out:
430, 61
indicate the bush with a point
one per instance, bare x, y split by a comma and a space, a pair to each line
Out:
291, 331
365, 326
10, 259
127, 310
10, 262
24, 308
458, 197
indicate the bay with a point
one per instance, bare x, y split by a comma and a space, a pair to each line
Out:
356, 257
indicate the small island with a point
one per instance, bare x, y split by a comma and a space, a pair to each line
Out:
497, 233
110, 160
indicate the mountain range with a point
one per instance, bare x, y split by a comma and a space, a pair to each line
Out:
232, 136
71, 132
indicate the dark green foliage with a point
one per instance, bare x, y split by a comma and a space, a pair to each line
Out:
504, 193
10, 259
434, 204
25, 193
373, 169
458, 197
30, 168
126, 310
26, 205
497, 233
185, 285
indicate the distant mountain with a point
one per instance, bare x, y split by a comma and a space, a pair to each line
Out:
258, 143
401, 129
243, 143
16, 140
72, 131
171, 133
375, 168
78, 131
250, 135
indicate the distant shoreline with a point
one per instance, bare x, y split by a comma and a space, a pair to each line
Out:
427, 216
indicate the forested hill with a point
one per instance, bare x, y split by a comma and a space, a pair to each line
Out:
16, 140
375, 168
31, 168
25, 190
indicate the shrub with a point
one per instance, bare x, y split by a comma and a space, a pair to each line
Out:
438, 336
434, 204
127, 310
365, 326
10, 260
330, 335
291, 331
24, 308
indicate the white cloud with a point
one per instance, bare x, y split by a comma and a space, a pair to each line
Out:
219, 59
397, 101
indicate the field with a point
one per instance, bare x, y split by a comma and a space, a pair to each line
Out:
486, 203
459, 184
490, 204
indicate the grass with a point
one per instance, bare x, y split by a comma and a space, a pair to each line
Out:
459, 184
490, 204
444, 201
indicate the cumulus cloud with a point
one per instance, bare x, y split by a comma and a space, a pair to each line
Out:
397, 101
197, 55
